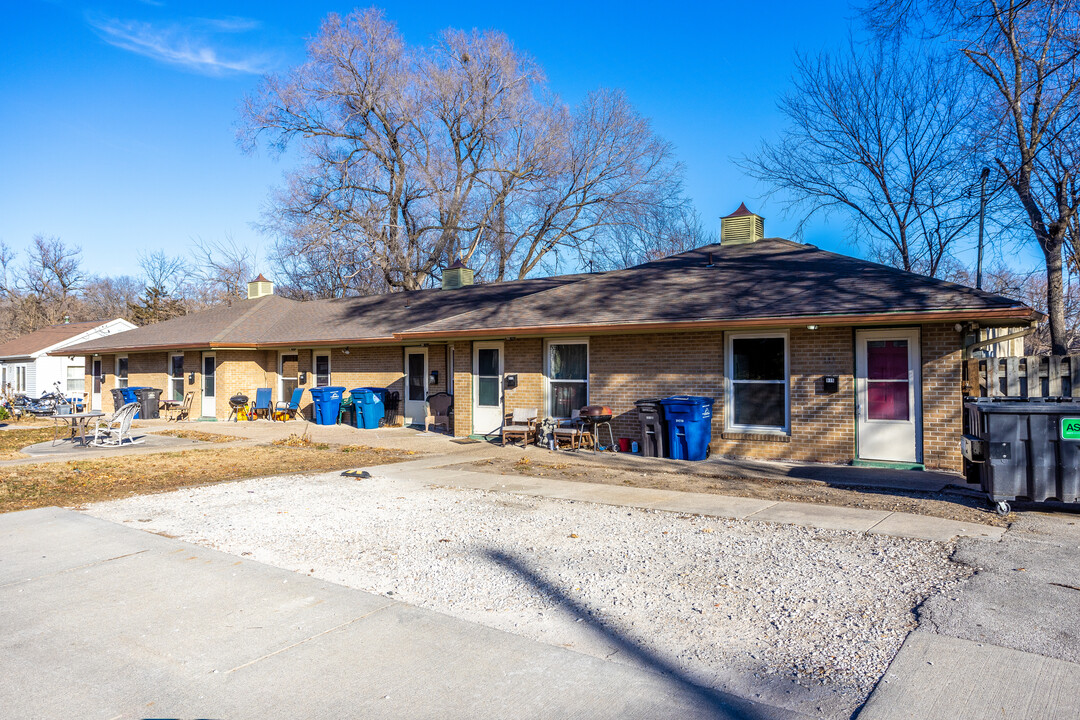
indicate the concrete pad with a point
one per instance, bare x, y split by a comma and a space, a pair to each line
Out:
169, 629
932, 528
935, 677
821, 516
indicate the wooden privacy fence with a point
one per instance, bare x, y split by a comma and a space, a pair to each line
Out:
1023, 377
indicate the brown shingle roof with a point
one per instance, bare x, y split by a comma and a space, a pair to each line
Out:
46, 337
274, 320
771, 279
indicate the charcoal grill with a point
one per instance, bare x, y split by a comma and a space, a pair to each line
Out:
598, 416
235, 403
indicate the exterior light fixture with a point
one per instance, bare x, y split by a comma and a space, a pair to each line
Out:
811, 327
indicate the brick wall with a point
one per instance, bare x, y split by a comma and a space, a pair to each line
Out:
942, 400
462, 388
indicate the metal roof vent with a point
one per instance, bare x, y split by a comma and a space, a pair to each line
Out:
260, 287
741, 227
457, 275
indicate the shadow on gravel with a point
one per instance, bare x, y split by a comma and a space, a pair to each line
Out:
717, 704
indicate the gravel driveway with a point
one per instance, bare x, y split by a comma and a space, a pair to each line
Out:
798, 617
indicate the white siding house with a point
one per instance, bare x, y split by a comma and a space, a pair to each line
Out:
26, 366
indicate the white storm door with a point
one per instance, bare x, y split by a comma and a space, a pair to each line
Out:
416, 386
209, 385
887, 381
95, 385
487, 397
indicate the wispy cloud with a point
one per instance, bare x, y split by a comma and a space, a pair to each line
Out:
194, 45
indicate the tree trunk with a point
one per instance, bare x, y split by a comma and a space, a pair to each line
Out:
1055, 303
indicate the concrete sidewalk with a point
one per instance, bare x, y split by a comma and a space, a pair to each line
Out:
99, 620
879, 522
1003, 644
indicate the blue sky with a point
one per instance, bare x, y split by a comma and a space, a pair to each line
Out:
118, 118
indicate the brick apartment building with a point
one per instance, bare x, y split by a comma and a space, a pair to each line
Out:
810, 355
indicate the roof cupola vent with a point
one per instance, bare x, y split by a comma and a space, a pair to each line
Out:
260, 287
741, 227
457, 275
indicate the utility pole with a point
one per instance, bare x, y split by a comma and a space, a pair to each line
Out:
982, 216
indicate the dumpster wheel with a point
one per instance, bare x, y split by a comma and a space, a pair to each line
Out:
1002, 508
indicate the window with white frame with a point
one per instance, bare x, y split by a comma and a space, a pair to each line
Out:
757, 382
322, 370
20, 378
176, 377
567, 376
75, 380
122, 371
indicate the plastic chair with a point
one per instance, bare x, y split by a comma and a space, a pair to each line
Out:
440, 411
116, 429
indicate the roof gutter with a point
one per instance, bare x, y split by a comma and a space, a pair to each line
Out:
336, 342
1018, 314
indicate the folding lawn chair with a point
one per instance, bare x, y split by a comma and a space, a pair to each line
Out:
288, 410
262, 408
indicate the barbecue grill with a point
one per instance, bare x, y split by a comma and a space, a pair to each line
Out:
238, 401
599, 416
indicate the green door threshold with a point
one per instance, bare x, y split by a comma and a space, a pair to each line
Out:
888, 465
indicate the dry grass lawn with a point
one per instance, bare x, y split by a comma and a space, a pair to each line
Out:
198, 435
11, 441
23, 487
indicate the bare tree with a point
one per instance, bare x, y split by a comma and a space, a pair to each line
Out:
1028, 54
107, 298
879, 134
416, 155
221, 271
43, 289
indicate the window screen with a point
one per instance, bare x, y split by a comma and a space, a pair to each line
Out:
75, 380
122, 372
759, 384
568, 378
322, 370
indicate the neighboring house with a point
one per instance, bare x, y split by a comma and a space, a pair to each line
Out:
810, 355
26, 365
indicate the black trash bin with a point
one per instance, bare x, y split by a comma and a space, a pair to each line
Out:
651, 418
117, 398
149, 400
1024, 449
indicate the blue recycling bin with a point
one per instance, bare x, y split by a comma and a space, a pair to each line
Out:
369, 406
129, 396
327, 402
689, 425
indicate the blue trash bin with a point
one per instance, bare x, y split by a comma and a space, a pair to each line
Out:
369, 406
327, 402
689, 425
130, 397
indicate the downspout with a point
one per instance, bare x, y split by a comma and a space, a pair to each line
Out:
970, 349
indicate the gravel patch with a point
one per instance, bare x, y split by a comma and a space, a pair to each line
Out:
799, 617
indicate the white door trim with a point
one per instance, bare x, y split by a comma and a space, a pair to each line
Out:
209, 402
415, 411
96, 370
907, 446
484, 417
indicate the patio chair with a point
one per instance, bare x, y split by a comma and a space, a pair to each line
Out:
440, 410
520, 424
574, 433
285, 411
184, 413
262, 408
114, 431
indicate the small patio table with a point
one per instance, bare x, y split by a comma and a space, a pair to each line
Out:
170, 407
78, 423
